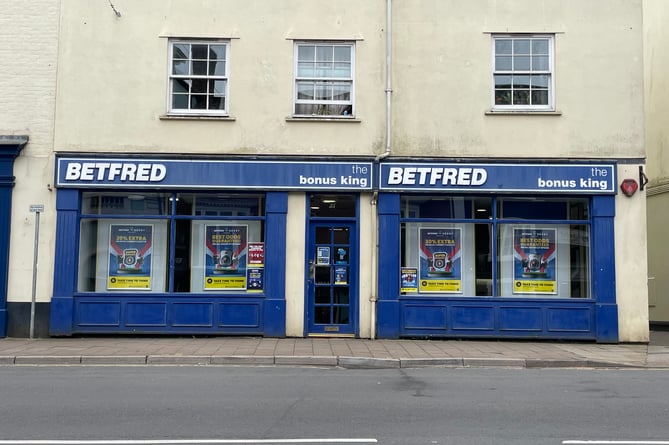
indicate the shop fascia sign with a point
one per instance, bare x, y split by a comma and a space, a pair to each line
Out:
211, 174
543, 178
351, 176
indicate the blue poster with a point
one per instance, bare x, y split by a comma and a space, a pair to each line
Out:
129, 256
225, 258
534, 264
440, 260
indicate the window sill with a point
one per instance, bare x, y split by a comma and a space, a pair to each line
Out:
321, 119
522, 113
195, 117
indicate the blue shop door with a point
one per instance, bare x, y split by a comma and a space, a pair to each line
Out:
332, 295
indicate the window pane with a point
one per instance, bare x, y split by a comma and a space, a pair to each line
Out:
540, 46
198, 102
180, 101
503, 46
521, 97
324, 53
217, 68
521, 46
217, 52
502, 81
306, 69
305, 53
180, 51
503, 63
341, 92
521, 63
180, 67
540, 63
200, 52
342, 54
503, 97
342, 70
305, 90
199, 68
540, 81
324, 70
216, 102
323, 91
199, 86
180, 86
521, 81
218, 87
539, 97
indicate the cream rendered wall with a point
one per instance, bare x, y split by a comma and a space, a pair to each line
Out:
113, 76
29, 36
631, 264
295, 255
656, 62
442, 79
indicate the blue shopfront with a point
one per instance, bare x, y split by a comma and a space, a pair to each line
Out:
460, 250
198, 246
497, 251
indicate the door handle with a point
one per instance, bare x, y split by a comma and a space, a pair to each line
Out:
312, 270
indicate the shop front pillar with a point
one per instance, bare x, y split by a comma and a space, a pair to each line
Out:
10, 147
388, 305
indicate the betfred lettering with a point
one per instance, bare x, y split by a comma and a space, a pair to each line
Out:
463, 176
115, 171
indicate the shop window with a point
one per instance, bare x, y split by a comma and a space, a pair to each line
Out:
495, 247
198, 77
158, 242
324, 81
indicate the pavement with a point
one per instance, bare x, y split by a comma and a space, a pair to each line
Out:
333, 352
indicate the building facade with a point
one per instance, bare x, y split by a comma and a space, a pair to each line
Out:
29, 32
385, 169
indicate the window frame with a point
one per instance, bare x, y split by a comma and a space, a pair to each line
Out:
349, 104
171, 78
550, 72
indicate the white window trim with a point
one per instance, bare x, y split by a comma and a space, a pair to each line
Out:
349, 43
180, 111
550, 107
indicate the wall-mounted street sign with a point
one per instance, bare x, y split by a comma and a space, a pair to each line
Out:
36, 208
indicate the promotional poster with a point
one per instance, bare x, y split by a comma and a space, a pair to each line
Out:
225, 257
409, 277
534, 268
129, 257
440, 260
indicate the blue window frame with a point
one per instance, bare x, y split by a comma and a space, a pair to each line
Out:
170, 242
495, 246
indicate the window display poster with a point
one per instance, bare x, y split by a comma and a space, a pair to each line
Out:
255, 278
129, 256
341, 275
534, 262
440, 260
256, 252
409, 276
225, 257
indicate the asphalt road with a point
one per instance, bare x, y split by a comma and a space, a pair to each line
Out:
389, 406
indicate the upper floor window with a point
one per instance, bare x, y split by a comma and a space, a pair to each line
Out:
198, 77
324, 84
523, 78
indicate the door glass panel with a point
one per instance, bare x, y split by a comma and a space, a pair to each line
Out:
322, 295
340, 315
323, 235
341, 295
322, 315
341, 235
322, 275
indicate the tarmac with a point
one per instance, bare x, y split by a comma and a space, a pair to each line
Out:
332, 352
